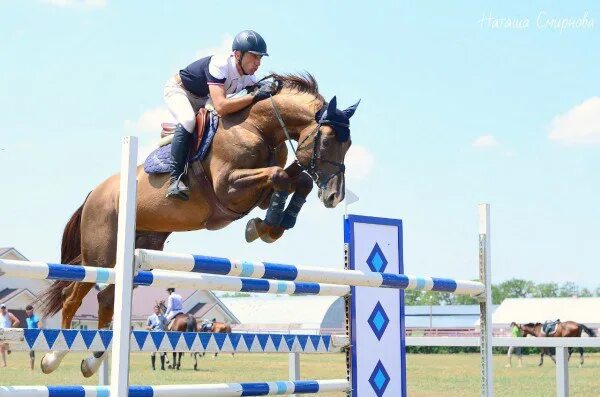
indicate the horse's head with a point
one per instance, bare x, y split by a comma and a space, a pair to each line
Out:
322, 149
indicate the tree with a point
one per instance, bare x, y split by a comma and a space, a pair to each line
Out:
513, 288
546, 290
568, 289
585, 293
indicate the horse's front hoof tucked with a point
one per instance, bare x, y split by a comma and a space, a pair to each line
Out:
252, 230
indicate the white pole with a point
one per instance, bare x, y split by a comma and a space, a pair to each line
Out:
562, 371
119, 377
294, 367
485, 302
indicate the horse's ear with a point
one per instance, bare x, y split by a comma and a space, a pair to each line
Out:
332, 106
351, 109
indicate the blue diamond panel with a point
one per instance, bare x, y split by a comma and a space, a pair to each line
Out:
378, 320
379, 379
376, 260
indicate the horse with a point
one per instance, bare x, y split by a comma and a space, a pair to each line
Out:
564, 329
183, 322
243, 170
216, 327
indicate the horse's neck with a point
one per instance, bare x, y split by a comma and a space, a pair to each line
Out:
295, 112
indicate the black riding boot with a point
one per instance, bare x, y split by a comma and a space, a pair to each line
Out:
162, 361
153, 359
179, 155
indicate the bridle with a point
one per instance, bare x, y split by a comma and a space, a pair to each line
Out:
311, 167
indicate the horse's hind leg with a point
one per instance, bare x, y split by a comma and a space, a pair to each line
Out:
580, 357
51, 360
106, 299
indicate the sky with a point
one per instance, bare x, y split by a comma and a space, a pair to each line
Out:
462, 103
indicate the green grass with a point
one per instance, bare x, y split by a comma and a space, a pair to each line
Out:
428, 374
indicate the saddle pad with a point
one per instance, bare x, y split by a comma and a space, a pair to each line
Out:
159, 161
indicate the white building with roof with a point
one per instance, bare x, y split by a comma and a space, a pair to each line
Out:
297, 314
533, 310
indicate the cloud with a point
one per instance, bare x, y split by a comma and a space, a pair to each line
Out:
485, 141
578, 126
77, 3
359, 162
149, 121
222, 49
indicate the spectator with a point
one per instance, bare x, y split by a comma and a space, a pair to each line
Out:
157, 322
7, 320
33, 322
515, 333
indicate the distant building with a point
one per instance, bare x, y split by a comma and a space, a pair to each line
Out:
201, 304
288, 314
16, 293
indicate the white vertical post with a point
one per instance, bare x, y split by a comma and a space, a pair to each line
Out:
119, 379
294, 367
485, 302
562, 371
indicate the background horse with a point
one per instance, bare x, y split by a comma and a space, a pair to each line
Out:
564, 329
243, 170
181, 323
216, 327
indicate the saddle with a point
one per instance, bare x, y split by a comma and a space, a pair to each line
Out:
159, 161
549, 327
202, 122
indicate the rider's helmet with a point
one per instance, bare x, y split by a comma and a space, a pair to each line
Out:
250, 41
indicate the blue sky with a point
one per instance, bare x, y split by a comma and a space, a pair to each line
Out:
462, 103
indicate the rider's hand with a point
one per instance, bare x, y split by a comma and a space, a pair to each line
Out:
264, 91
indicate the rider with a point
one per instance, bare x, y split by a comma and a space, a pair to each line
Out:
215, 78
174, 305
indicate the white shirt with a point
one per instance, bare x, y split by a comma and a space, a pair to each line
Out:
174, 306
5, 320
224, 67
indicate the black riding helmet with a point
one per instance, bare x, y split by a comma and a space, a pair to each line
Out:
249, 41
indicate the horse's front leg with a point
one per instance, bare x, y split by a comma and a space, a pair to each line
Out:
542, 357
254, 182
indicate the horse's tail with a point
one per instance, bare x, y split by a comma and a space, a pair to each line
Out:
587, 330
191, 324
70, 254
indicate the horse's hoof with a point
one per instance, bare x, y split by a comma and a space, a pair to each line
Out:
267, 238
51, 361
252, 230
46, 369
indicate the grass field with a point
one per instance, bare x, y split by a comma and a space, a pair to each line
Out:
428, 375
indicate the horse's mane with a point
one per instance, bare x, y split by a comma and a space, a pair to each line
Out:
532, 324
302, 82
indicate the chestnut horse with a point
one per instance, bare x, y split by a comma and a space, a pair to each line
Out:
564, 329
180, 323
242, 171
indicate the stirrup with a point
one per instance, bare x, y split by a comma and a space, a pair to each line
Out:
178, 190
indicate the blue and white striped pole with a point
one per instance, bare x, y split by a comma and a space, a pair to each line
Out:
149, 259
164, 278
214, 390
